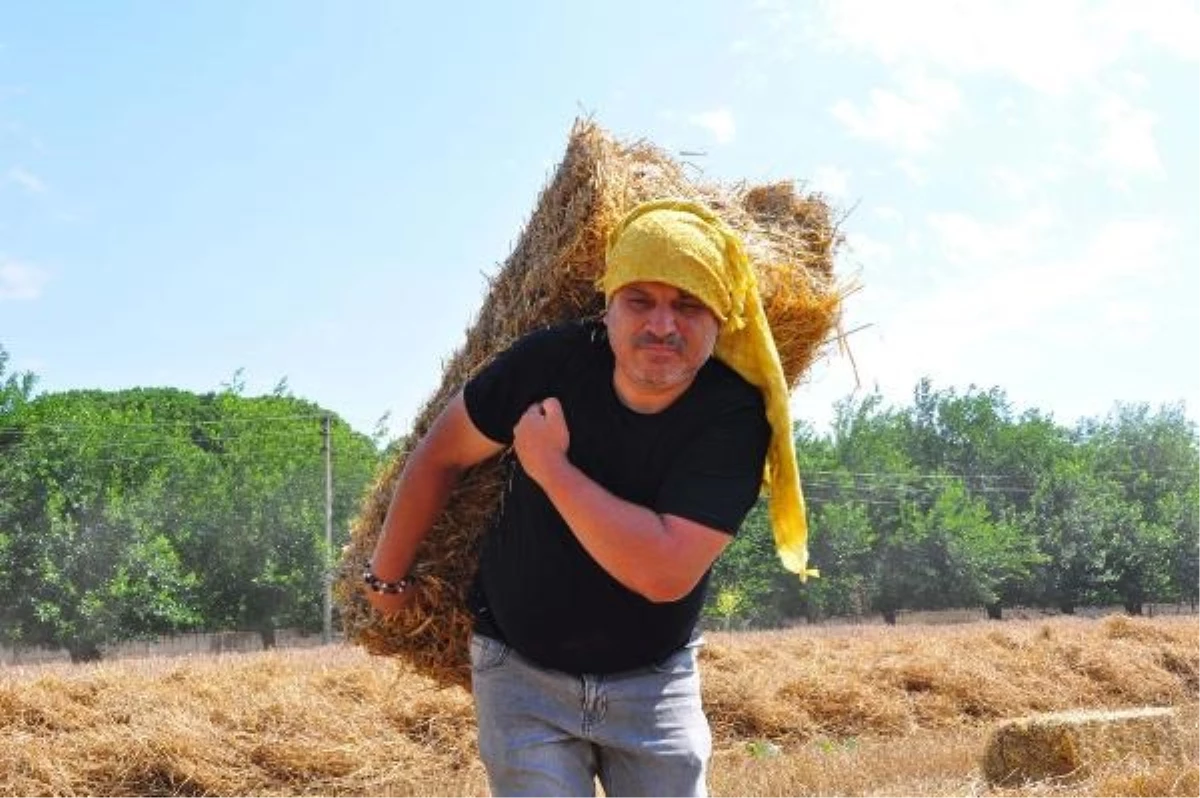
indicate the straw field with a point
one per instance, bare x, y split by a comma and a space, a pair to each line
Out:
812, 711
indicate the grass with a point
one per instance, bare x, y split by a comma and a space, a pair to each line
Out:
813, 711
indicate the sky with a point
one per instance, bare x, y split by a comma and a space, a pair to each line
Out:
196, 193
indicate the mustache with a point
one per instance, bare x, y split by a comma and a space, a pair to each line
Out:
646, 338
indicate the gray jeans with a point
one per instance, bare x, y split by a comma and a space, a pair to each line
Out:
544, 732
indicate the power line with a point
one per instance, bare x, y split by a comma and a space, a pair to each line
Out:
30, 428
149, 450
98, 440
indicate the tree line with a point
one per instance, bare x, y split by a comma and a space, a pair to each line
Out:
958, 501
135, 513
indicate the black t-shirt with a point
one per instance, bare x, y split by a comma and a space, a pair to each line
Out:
701, 458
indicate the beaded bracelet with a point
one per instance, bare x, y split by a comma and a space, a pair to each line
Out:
377, 585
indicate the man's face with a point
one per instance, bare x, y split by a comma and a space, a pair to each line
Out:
660, 336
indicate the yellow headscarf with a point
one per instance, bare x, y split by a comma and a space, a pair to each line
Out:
684, 244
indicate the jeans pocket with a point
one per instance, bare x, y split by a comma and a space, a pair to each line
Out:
487, 653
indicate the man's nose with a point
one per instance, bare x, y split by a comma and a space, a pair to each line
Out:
662, 321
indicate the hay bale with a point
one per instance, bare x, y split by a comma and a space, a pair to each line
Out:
550, 277
1073, 744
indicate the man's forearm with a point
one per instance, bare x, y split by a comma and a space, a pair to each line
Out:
632, 543
420, 494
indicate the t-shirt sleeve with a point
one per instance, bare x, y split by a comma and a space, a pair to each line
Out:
502, 390
716, 479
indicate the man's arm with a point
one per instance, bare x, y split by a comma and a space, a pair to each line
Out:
452, 445
658, 556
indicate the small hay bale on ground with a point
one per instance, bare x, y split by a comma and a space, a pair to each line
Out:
549, 278
1074, 744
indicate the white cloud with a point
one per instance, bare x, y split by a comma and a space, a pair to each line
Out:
1133, 81
1050, 47
999, 322
20, 281
1025, 183
1127, 147
1134, 247
1014, 184
866, 250
830, 180
718, 122
967, 241
1173, 25
908, 120
27, 180
889, 214
915, 173
1021, 288
778, 13
1136, 319
1018, 285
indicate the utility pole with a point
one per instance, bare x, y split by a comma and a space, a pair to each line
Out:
327, 447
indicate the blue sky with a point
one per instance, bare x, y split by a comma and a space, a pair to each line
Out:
317, 191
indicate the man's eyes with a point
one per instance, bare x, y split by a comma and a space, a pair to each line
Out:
687, 307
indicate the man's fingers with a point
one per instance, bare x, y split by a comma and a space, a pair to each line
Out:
388, 606
546, 407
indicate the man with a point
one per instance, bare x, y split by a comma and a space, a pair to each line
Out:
637, 456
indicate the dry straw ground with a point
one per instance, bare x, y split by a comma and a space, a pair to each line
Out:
813, 711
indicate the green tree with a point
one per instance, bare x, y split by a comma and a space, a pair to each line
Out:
107, 575
84, 562
256, 531
137, 512
975, 437
874, 483
956, 500
842, 542
976, 554
1184, 507
1076, 512
745, 579
1153, 462
16, 483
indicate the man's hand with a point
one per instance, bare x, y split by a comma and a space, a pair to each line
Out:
387, 604
541, 438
